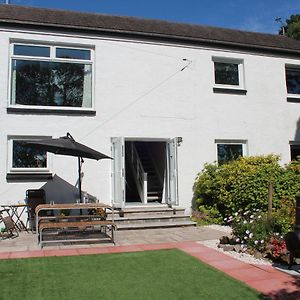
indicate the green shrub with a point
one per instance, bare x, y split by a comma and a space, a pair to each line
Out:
242, 184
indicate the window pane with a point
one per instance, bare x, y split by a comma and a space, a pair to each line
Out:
51, 84
293, 81
295, 152
73, 53
226, 73
228, 152
32, 50
27, 157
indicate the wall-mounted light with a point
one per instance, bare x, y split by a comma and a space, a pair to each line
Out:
179, 141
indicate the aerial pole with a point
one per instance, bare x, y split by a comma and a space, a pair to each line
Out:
279, 20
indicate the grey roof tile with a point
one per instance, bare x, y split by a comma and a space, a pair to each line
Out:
146, 28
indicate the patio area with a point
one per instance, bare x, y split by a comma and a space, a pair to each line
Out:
265, 278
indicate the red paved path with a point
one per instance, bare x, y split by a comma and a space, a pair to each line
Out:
263, 278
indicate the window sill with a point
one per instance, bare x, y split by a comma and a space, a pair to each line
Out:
228, 90
293, 99
28, 176
50, 111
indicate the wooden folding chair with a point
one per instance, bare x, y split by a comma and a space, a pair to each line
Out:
11, 230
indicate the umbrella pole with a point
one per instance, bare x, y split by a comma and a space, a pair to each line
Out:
79, 178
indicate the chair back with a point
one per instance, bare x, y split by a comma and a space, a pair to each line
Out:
8, 222
35, 197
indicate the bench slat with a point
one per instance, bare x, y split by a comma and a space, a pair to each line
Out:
51, 225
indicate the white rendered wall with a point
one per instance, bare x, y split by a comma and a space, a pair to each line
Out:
140, 91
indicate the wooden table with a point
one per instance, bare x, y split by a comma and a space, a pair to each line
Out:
65, 222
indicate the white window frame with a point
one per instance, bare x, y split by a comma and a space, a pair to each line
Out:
295, 67
52, 58
10, 168
242, 142
241, 72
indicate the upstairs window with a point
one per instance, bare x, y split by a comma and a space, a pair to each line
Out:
51, 76
229, 74
293, 80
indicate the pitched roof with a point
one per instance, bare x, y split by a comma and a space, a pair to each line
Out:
145, 28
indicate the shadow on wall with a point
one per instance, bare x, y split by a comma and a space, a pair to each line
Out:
61, 191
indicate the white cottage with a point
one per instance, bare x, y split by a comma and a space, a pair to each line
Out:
161, 98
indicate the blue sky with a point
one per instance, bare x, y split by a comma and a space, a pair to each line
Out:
251, 15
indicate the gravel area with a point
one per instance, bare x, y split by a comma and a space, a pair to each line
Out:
247, 258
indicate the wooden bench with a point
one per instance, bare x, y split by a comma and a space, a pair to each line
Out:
79, 225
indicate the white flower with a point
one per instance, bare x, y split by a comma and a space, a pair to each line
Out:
245, 213
225, 219
251, 235
236, 213
251, 221
262, 241
237, 240
245, 222
251, 217
276, 233
259, 217
255, 242
247, 231
245, 237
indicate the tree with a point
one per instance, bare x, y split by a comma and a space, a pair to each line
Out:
292, 27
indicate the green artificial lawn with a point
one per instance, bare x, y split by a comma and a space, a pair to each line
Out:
162, 275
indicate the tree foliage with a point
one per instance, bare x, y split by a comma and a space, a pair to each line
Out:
243, 185
292, 27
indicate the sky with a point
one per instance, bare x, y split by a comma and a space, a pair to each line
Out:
249, 15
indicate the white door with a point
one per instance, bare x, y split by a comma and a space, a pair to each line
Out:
172, 185
118, 172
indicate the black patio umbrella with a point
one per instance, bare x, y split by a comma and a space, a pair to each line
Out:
66, 145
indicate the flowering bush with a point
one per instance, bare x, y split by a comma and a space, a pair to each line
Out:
276, 248
256, 233
250, 228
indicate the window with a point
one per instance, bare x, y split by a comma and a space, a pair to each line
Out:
228, 150
51, 76
292, 74
295, 150
228, 74
25, 159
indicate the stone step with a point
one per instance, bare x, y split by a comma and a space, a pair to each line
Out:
152, 225
133, 219
152, 209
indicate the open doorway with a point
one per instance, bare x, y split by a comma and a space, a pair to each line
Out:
145, 165
144, 171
